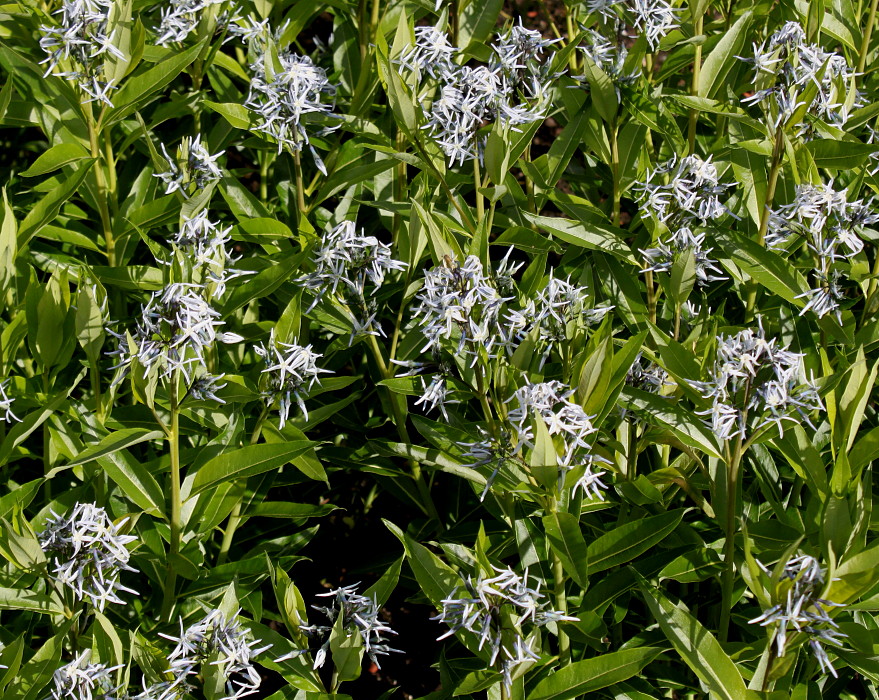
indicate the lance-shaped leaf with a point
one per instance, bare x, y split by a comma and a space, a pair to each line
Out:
247, 461
696, 646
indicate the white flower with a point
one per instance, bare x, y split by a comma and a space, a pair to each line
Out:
205, 387
349, 259
549, 401
655, 19
88, 553
788, 64
558, 305
691, 196
180, 18
801, 609
176, 325
512, 89
80, 45
220, 642
754, 377
193, 165
459, 302
360, 615
291, 372
81, 680
6, 404
203, 243
832, 227
436, 395
480, 612
286, 100
432, 54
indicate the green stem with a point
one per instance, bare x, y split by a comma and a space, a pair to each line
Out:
176, 505
771, 184
569, 22
47, 442
651, 295
732, 477
871, 289
102, 188
868, 34
264, 178
399, 185
465, 218
300, 190
400, 422
694, 86
477, 184
95, 375
529, 183
561, 599
615, 170
235, 516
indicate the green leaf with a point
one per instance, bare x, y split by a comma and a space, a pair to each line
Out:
592, 235
59, 155
247, 461
694, 566
543, 460
718, 65
589, 675
45, 211
114, 442
135, 481
381, 590
17, 599
631, 540
283, 509
764, 266
804, 458
476, 21
236, 114
38, 670
840, 155
683, 277
564, 536
139, 86
665, 412
436, 578
602, 89
347, 648
696, 646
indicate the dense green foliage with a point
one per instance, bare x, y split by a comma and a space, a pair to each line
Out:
583, 299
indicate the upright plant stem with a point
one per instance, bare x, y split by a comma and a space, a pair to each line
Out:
264, 179
300, 190
47, 442
176, 505
235, 516
868, 35
561, 599
102, 188
403, 432
477, 184
729, 545
771, 184
651, 296
615, 170
569, 22
694, 87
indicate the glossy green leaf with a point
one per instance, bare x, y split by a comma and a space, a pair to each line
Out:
590, 675
247, 461
631, 540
